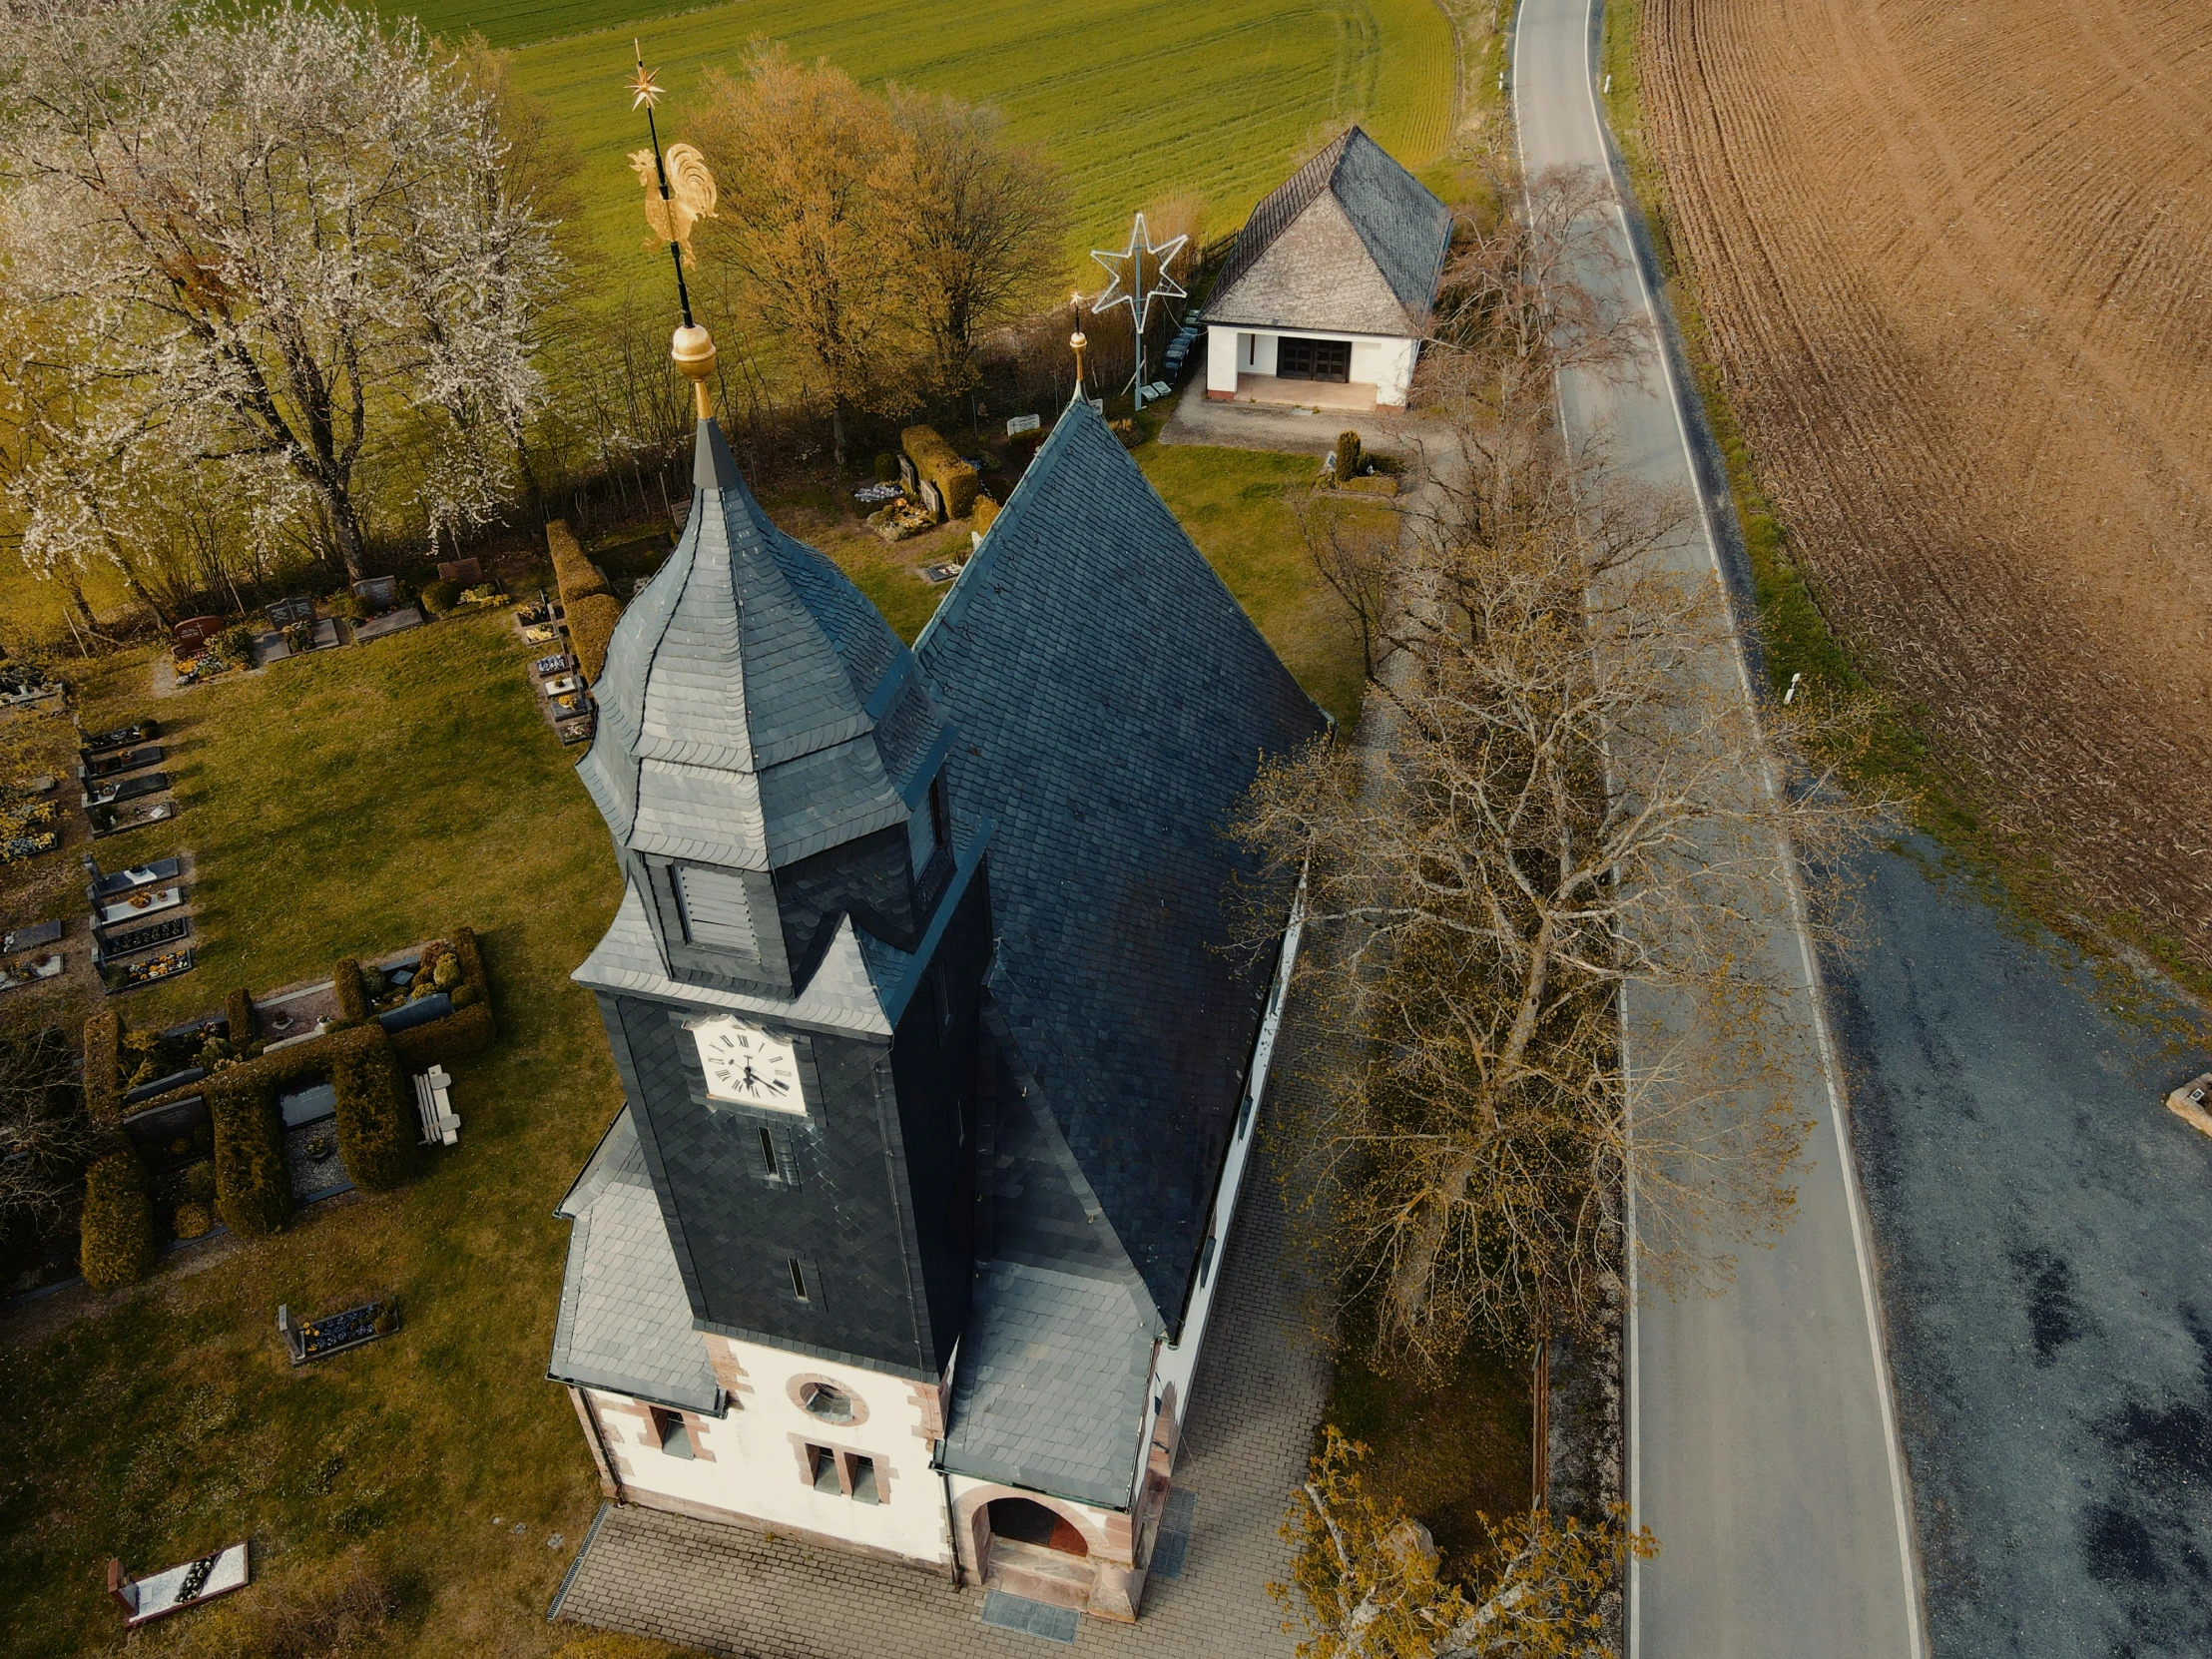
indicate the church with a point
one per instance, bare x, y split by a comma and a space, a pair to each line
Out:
939, 1084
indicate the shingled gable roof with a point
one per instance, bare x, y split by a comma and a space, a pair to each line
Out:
1113, 701
754, 707
1350, 241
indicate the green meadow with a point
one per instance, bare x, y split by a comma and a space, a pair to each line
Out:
1138, 102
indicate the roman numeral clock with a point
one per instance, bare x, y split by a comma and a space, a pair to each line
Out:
748, 1067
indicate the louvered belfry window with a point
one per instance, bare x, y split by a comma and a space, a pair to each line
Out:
715, 910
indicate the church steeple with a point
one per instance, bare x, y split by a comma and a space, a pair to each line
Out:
765, 757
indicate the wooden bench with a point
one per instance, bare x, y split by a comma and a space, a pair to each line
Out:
441, 1125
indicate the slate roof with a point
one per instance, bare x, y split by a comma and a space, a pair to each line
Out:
1113, 701
754, 707
1351, 241
624, 1322
1049, 1391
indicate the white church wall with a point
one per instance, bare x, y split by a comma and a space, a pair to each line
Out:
752, 1463
1175, 1364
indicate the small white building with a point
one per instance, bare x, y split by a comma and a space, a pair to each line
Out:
1326, 293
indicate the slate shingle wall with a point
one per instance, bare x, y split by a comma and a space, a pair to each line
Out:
733, 1236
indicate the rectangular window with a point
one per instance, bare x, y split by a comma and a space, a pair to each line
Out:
1206, 1261
770, 1167
864, 1480
941, 812
799, 1278
673, 1432
1312, 360
821, 1468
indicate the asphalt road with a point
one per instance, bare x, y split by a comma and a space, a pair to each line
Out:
2045, 1232
1762, 1450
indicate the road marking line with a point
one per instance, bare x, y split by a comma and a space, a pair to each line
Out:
1830, 1064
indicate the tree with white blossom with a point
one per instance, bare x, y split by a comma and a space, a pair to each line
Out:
262, 243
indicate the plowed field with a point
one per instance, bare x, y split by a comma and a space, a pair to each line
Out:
1956, 263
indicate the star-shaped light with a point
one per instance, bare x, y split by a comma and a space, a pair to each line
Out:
645, 91
1140, 275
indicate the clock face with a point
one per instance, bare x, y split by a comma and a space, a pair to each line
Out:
745, 1065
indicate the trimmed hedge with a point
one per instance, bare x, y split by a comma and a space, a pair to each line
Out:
982, 514
253, 1183
469, 1027
591, 625
578, 577
939, 463
238, 1012
376, 1127
116, 1236
103, 1068
346, 980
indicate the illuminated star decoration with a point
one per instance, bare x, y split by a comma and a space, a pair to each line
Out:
1140, 276
645, 90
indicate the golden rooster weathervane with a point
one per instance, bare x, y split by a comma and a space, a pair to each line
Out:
678, 193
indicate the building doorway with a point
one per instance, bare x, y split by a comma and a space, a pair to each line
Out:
1297, 358
1023, 1522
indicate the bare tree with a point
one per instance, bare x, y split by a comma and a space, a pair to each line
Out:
1562, 801
279, 238
44, 1133
809, 169
981, 220
1366, 1580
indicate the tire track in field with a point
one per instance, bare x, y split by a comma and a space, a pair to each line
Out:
1953, 259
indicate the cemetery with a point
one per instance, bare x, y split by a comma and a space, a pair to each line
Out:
280, 1101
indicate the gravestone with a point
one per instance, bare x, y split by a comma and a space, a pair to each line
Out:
192, 634
1019, 425
378, 593
931, 499
907, 474
285, 613
468, 572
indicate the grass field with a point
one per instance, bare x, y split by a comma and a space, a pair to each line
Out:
354, 802
1136, 102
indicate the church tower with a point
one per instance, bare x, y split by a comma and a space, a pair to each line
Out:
790, 986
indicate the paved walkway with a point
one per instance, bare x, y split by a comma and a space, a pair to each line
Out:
1289, 428
1258, 1398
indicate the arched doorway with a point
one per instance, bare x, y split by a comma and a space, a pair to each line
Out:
1021, 1521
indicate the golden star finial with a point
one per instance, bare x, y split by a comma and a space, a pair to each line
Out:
645, 91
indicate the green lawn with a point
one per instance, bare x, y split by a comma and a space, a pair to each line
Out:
1137, 102
349, 802
353, 802
1236, 504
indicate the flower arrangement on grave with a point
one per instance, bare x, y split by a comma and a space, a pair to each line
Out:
300, 636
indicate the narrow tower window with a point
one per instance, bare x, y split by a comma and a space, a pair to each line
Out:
767, 1160
799, 1278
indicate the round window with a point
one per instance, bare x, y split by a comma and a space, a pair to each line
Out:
831, 1405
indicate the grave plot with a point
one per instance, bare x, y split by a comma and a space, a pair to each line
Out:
386, 613
114, 762
175, 1142
318, 1338
310, 1113
123, 737
294, 1013
159, 1594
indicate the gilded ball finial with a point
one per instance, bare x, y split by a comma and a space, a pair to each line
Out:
694, 352
1076, 342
